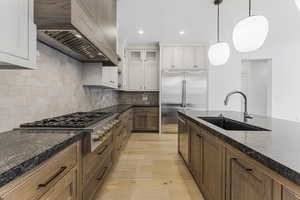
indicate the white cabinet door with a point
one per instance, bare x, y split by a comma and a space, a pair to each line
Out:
188, 57
135, 70
167, 57
151, 70
18, 35
110, 77
94, 74
114, 77
178, 58
201, 57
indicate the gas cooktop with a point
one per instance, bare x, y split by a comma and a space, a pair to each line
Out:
74, 120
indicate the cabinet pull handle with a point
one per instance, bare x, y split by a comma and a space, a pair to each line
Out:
62, 169
103, 150
245, 168
181, 120
199, 136
102, 174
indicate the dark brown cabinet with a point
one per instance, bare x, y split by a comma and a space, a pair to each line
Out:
206, 160
223, 172
196, 152
213, 179
183, 139
288, 195
246, 182
146, 119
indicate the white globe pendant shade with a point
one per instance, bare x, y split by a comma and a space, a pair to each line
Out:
250, 33
298, 3
219, 53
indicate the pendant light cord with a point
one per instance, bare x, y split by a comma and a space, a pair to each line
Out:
250, 5
218, 24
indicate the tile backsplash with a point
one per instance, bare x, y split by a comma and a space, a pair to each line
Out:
139, 98
54, 88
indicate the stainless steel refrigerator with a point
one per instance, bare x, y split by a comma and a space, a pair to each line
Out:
181, 90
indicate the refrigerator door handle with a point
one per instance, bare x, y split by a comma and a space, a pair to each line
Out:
184, 93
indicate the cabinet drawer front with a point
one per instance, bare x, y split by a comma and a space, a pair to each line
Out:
63, 189
42, 179
246, 181
94, 159
97, 179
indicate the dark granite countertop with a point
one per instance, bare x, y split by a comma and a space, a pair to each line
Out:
22, 150
278, 149
123, 108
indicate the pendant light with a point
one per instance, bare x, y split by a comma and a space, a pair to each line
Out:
219, 53
298, 3
250, 33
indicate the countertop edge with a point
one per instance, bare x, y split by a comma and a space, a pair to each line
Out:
35, 161
275, 166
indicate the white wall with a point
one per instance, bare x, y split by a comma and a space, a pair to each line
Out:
257, 85
282, 46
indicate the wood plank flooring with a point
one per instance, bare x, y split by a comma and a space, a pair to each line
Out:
150, 169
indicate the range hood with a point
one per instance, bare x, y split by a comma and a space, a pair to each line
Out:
72, 28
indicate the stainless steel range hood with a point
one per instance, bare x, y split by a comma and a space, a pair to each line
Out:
71, 27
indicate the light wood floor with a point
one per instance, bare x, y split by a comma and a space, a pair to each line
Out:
150, 169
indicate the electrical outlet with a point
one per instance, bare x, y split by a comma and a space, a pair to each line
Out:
145, 98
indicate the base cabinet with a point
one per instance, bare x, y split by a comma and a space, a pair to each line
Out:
213, 181
196, 154
245, 181
222, 172
146, 119
64, 189
57, 178
289, 195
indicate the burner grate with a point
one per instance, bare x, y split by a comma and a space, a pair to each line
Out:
75, 120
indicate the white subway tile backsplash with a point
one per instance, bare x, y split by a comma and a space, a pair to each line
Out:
54, 88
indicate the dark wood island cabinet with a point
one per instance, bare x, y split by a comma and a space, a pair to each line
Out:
222, 172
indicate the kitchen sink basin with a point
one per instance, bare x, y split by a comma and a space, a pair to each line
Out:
231, 125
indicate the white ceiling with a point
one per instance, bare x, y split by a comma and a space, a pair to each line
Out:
162, 20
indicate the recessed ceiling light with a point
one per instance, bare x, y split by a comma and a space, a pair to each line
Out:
78, 35
181, 32
141, 31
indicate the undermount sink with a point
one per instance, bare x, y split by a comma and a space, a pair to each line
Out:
231, 125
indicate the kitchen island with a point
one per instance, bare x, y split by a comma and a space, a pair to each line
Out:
228, 164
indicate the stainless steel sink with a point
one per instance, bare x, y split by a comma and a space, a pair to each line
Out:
231, 125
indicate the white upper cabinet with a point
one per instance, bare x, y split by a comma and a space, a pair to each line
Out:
18, 35
143, 69
167, 61
94, 74
182, 57
151, 70
110, 77
135, 70
201, 57
178, 58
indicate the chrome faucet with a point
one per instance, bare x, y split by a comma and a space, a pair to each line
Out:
246, 115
